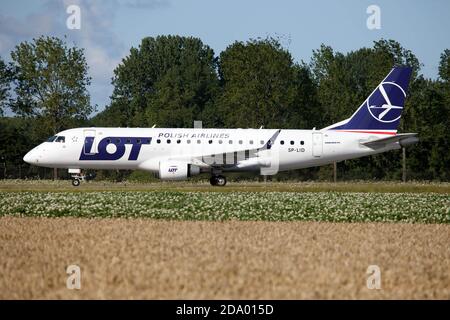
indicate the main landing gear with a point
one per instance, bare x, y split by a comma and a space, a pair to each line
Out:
218, 180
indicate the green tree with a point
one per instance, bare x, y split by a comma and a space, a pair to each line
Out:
167, 81
261, 85
51, 81
16, 138
428, 113
429, 116
444, 66
6, 77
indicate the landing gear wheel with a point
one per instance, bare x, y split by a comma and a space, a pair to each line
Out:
221, 181
75, 182
218, 181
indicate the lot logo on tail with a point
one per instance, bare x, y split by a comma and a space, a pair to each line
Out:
386, 103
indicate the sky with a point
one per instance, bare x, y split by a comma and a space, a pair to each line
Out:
109, 28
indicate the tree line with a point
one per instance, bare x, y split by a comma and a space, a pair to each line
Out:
170, 81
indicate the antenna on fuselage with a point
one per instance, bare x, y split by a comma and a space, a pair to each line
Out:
154, 125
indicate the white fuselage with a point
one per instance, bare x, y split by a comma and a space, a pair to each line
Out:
147, 148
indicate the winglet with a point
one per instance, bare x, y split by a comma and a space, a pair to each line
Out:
271, 141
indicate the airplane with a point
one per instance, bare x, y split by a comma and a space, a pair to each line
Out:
180, 153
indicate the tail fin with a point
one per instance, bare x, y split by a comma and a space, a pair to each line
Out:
381, 111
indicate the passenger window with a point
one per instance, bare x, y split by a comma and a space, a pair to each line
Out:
251, 141
210, 141
230, 141
199, 141
168, 141
138, 141
262, 142
129, 141
282, 142
292, 142
240, 141
302, 142
117, 141
158, 141
220, 141
178, 141
188, 141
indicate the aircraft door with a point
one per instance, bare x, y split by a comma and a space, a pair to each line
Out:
317, 141
90, 141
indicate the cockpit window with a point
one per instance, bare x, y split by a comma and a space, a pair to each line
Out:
56, 139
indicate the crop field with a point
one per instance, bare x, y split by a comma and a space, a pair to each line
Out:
243, 241
268, 206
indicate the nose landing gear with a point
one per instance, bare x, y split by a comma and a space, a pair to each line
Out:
78, 177
76, 182
218, 180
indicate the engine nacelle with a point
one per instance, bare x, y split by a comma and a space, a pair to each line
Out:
177, 170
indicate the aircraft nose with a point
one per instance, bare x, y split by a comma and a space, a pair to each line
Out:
30, 157
27, 157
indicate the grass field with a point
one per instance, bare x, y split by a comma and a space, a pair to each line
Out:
243, 241
204, 186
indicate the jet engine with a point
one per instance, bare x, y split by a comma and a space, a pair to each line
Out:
177, 170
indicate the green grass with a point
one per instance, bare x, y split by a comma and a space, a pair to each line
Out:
268, 206
383, 187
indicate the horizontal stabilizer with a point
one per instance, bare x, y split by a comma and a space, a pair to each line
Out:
405, 139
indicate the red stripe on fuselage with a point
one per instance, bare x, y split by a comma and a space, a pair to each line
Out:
374, 132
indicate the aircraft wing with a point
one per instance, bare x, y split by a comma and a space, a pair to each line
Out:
403, 138
237, 155
240, 155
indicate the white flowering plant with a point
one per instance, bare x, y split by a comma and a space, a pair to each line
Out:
268, 206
